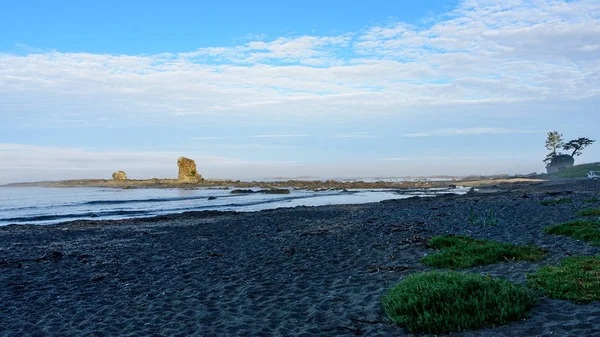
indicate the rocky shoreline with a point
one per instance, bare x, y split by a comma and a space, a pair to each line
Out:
304, 271
297, 184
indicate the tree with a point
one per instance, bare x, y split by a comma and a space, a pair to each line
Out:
553, 141
577, 145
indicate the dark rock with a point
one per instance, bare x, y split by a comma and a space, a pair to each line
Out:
275, 191
54, 256
289, 251
212, 198
559, 163
317, 232
241, 191
99, 277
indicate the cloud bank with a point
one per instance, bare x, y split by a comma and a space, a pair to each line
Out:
509, 60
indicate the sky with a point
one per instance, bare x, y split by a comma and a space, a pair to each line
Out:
259, 89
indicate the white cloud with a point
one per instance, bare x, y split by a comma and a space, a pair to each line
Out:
261, 146
513, 63
480, 52
21, 162
359, 135
469, 131
290, 135
210, 138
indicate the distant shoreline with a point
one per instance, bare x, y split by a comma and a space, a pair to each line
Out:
297, 184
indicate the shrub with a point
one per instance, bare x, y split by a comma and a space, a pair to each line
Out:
576, 279
586, 230
465, 252
557, 202
589, 212
443, 302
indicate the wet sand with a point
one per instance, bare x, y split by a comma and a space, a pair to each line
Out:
305, 271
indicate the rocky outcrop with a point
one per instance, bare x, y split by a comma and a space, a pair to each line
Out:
269, 191
560, 162
119, 175
187, 171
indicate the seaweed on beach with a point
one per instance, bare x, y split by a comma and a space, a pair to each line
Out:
561, 201
589, 212
586, 230
444, 302
576, 279
592, 200
464, 252
487, 218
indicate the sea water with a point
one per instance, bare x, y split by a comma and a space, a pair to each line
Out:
42, 205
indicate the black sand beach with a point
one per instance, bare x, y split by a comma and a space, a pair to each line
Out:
305, 271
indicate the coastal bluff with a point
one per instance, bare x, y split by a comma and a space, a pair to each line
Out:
187, 171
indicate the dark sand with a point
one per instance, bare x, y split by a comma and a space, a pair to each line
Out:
305, 271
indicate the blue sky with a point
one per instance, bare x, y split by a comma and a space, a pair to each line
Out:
321, 88
145, 27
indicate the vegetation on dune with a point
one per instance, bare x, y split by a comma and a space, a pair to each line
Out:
443, 302
553, 202
586, 230
464, 252
577, 171
576, 279
589, 212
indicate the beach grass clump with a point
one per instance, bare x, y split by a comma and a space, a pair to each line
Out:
464, 252
592, 200
561, 201
576, 279
586, 230
487, 218
443, 302
589, 212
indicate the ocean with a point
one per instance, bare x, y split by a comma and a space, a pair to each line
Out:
42, 205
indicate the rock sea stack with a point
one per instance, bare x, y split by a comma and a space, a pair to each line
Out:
119, 175
559, 163
187, 171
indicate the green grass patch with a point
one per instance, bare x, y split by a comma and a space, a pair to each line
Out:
576, 279
589, 212
487, 218
577, 171
592, 200
586, 230
443, 302
465, 252
553, 202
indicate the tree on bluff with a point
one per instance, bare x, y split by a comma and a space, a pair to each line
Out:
553, 141
577, 145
